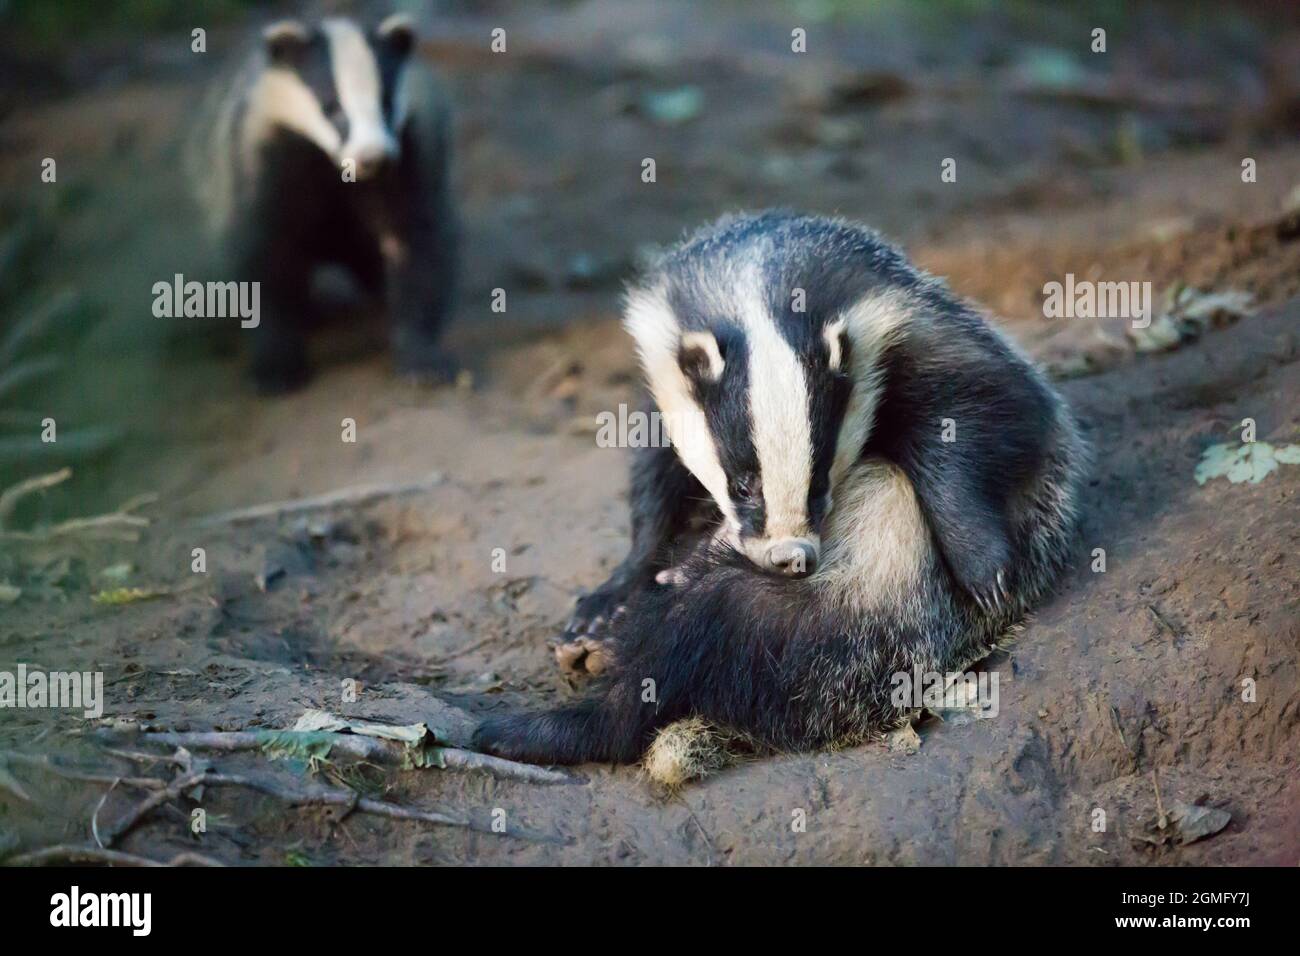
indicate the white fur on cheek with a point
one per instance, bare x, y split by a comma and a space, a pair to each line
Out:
650, 321
279, 98
871, 324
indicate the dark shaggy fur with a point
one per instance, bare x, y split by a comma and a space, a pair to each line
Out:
787, 662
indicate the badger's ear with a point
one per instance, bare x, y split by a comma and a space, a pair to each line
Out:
285, 40
397, 33
700, 357
836, 336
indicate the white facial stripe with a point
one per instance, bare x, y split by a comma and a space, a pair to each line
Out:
356, 76
778, 402
871, 322
279, 98
651, 323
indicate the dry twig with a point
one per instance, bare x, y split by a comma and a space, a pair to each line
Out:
364, 748
63, 853
352, 496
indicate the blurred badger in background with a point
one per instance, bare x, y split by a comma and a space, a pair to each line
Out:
331, 147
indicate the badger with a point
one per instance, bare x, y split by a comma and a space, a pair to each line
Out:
331, 147
887, 486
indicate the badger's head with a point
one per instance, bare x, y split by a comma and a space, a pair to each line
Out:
337, 86
768, 407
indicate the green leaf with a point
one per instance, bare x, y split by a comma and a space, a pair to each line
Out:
1250, 462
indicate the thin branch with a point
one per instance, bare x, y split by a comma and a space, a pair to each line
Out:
150, 803
354, 495
94, 817
364, 748
73, 853
11, 496
76, 773
115, 524
312, 796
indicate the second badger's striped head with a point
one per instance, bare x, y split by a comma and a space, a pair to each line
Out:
337, 85
766, 368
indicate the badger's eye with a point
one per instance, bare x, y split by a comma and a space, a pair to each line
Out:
746, 489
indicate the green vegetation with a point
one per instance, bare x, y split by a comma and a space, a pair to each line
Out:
48, 22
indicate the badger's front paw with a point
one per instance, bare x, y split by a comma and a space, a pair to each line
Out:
582, 649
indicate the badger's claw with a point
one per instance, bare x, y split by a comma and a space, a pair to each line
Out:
994, 597
593, 612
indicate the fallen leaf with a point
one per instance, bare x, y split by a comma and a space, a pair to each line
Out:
673, 106
414, 736
1248, 462
116, 596
1187, 314
1197, 822
117, 573
1184, 823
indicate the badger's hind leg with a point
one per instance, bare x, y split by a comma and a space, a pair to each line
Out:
607, 728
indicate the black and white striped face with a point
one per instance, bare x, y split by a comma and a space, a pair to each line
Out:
338, 86
768, 410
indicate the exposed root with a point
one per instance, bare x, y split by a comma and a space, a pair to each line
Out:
71, 853
195, 775
373, 749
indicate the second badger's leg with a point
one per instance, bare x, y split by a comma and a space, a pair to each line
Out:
280, 362
421, 249
663, 498
421, 284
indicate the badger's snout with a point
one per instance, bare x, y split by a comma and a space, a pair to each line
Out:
370, 154
792, 557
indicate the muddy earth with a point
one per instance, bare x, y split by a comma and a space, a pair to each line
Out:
1171, 676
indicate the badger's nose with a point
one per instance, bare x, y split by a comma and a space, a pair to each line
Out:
368, 162
793, 557
370, 155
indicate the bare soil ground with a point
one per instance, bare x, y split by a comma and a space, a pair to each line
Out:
1125, 678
